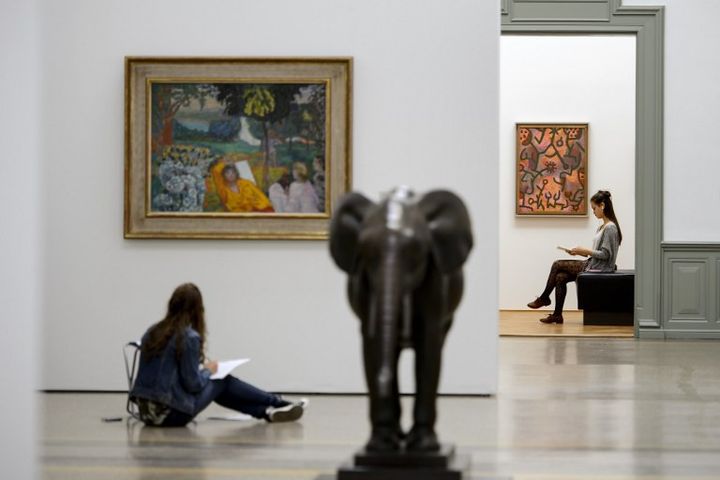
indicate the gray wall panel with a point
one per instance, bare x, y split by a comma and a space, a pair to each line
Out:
691, 290
688, 283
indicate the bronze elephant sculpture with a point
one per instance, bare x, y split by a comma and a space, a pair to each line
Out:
404, 259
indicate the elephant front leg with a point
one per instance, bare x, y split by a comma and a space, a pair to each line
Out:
428, 351
381, 377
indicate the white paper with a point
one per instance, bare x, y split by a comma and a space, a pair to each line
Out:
227, 366
238, 417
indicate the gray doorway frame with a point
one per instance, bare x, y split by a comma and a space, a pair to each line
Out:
558, 17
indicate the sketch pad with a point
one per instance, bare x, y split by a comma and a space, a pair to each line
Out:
227, 366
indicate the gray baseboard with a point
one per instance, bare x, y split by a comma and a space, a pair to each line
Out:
662, 334
651, 334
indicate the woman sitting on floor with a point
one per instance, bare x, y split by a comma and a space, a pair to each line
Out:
171, 388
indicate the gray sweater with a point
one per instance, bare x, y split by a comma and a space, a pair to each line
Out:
605, 250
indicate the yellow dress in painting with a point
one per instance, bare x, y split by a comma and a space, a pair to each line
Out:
247, 198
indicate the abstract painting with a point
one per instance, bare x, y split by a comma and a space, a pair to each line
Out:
552, 169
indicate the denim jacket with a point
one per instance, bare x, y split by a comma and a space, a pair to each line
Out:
171, 381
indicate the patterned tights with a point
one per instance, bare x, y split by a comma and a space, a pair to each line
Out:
561, 273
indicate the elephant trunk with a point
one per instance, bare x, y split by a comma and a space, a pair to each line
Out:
388, 311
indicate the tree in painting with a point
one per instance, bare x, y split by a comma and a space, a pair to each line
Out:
168, 98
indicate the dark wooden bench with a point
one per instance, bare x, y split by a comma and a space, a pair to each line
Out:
607, 298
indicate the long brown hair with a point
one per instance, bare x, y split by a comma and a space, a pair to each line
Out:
185, 309
603, 196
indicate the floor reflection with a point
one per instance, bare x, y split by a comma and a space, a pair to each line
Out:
167, 452
259, 432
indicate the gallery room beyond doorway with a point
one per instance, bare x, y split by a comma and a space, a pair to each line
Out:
564, 79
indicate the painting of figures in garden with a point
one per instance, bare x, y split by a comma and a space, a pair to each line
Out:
552, 168
237, 148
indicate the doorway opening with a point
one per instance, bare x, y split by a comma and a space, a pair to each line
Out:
554, 80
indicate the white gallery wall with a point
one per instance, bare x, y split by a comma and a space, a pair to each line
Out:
423, 103
20, 269
565, 79
692, 102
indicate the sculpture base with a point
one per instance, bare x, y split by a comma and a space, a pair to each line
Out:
441, 465
439, 459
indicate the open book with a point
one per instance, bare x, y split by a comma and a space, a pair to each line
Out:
227, 366
243, 168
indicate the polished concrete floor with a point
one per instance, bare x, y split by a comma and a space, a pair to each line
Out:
567, 409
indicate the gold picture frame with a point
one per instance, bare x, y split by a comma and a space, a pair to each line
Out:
551, 169
236, 148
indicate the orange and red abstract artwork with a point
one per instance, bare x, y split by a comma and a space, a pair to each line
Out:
552, 167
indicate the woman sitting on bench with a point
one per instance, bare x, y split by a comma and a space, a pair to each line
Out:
602, 258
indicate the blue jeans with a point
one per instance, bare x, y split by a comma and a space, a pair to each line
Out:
229, 392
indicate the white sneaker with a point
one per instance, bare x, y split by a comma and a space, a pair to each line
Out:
288, 413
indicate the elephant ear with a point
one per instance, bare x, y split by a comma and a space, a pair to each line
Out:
450, 229
345, 229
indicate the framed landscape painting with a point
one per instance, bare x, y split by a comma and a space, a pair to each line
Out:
551, 169
249, 148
